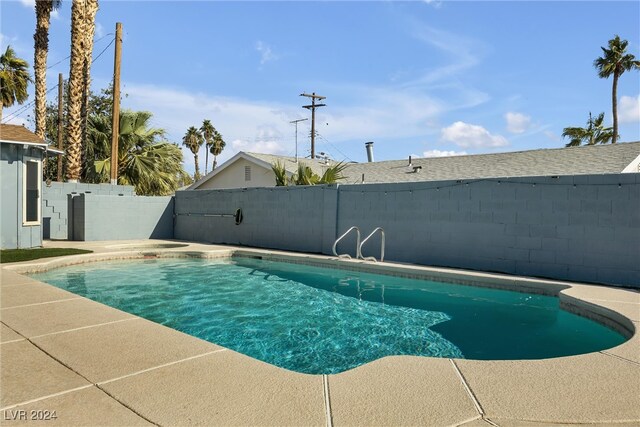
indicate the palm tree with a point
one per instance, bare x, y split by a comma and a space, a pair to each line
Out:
208, 132
615, 61
90, 26
281, 174
145, 159
82, 20
305, 176
217, 147
193, 140
333, 174
594, 133
41, 50
14, 79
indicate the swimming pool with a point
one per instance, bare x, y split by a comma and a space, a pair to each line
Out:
316, 320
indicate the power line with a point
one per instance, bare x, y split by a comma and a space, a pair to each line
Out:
103, 50
22, 109
313, 107
25, 107
69, 56
336, 148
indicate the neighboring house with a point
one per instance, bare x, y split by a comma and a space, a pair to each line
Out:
254, 170
246, 170
21, 156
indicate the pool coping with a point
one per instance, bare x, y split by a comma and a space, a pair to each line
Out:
482, 392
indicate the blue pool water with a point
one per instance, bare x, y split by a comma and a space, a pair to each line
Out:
316, 320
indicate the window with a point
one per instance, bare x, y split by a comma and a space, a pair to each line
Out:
247, 173
31, 185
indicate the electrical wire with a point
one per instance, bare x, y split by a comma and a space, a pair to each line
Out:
337, 149
21, 110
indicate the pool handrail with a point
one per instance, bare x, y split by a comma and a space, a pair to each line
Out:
370, 258
335, 244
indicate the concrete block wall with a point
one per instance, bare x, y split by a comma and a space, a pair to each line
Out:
55, 209
290, 218
97, 217
582, 228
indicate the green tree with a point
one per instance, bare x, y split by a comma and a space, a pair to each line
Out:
14, 79
594, 133
614, 62
193, 140
333, 174
306, 176
217, 147
41, 51
281, 174
145, 159
208, 131
100, 106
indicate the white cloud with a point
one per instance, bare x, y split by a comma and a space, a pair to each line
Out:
552, 136
629, 109
272, 147
467, 135
434, 3
517, 122
389, 113
245, 124
463, 53
439, 153
99, 32
266, 54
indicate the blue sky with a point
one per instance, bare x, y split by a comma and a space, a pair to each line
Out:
417, 78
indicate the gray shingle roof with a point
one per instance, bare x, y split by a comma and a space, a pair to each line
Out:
594, 159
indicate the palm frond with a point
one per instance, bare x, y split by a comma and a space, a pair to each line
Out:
281, 174
333, 174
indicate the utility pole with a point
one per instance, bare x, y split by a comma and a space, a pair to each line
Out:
115, 120
295, 122
60, 110
313, 107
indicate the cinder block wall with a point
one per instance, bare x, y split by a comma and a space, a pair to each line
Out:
98, 217
583, 228
55, 206
292, 218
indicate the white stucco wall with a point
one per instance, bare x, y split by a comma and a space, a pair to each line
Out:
633, 167
233, 176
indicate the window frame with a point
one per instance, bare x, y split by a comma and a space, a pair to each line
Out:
25, 177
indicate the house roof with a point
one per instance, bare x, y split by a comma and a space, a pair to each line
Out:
16, 134
290, 165
593, 159
264, 160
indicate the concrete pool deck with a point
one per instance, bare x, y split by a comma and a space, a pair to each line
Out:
96, 365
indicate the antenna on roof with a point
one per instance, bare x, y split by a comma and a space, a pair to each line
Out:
295, 122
